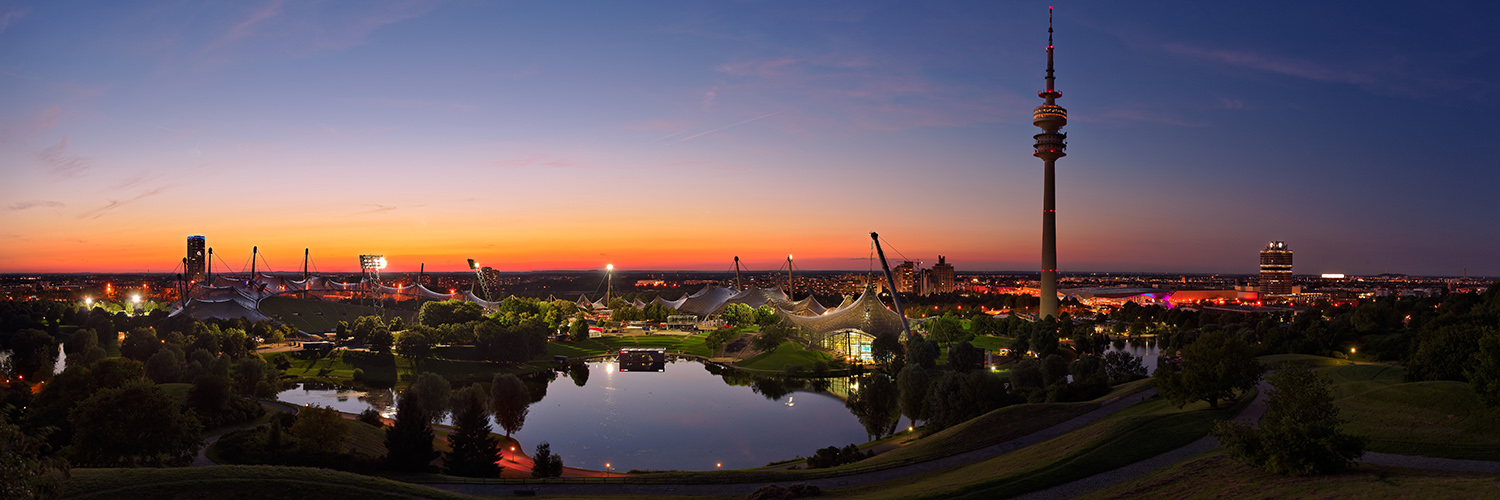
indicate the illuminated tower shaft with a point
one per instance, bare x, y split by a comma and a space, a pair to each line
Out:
1049, 147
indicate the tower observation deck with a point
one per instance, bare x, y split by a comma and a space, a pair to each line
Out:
1050, 145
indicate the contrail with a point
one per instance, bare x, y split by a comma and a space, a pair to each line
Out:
701, 134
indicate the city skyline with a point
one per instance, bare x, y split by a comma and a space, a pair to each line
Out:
537, 136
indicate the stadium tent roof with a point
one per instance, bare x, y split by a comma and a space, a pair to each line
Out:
707, 301
848, 301
866, 314
675, 304
227, 308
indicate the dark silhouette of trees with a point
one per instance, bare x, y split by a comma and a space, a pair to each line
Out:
545, 463
876, 403
913, 383
1213, 368
134, 425
474, 451
408, 441
1298, 435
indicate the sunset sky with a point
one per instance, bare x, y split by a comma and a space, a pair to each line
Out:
676, 135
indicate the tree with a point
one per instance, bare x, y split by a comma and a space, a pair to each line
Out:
140, 344
1484, 370
134, 425
24, 473
876, 403
449, 312
381, 340
364, 327
544, 463
887, 350
1298, 435
963, 356
1212, 369
210, 394
408, 441
946, 329
510, 400
432, 396
32, 352
82, 340
163, 367
474, 451
414, 345
913, 383
320, 430
579, 332
921, 352
1121, 367
717, 338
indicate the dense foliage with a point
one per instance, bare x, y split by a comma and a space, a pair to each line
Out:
1298, 435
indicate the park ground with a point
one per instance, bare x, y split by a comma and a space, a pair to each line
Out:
1429, 419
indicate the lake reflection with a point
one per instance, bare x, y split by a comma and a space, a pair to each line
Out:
1143, 348
689, 416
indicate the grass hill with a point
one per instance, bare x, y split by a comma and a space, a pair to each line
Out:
242, 482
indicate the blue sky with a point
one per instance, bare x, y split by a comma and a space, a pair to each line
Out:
545, 135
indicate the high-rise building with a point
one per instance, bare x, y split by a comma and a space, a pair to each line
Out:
942, 276
1276, 269
1049, 147
906, 275
196, 258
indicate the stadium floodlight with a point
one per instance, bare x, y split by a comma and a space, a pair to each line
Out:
372, 262
88, 301
135, 298
609, 267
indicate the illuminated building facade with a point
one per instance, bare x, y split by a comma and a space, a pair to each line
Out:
906, 277
1276, 269
196, 258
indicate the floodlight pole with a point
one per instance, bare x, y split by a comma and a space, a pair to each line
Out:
306, 254
790, 292
210, 277
254, 252
891, 282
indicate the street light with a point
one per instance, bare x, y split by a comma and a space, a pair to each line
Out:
607, 470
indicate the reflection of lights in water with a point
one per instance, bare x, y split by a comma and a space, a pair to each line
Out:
609, 368
789, 401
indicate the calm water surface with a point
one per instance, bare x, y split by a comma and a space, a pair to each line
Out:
683, 418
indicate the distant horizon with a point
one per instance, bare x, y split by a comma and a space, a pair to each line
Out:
706, 271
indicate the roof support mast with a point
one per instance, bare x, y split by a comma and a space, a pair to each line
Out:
890, 282
737, 285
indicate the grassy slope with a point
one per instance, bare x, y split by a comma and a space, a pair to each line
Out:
241, 482
787, 354
1437, 419
1136, 433
1215, 476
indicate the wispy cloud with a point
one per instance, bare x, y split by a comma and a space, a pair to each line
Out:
116, 204
28, 205
1285, 66
10, 16
60, 162
732, 125
537, 161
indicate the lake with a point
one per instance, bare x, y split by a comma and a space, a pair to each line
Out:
685, 417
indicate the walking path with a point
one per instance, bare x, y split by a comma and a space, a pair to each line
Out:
826, 483
202, 459
1250, 414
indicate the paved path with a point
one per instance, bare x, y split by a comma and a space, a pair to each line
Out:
826, 483
202, 459
1250, 414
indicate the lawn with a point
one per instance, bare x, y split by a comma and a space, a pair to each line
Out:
1436, 419
241, 482
1213, 475
787, 354
990, 343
